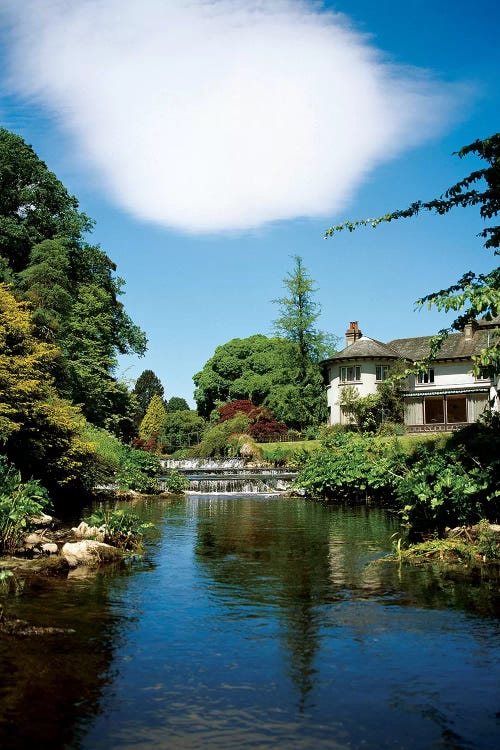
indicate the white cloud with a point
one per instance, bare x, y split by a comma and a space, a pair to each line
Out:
219, 115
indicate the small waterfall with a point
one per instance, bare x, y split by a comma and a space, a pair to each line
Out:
244, 485
204, 464
231, 475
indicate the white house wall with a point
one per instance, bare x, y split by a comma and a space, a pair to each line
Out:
366, 386
449, 375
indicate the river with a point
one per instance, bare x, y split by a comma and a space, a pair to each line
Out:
254, 622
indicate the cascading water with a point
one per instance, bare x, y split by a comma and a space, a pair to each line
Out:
207, 476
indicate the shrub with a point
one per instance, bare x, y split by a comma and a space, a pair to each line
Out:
175, 482
216, 442
19, 504
138, 471
120, 464
240, 406
121, 527
352, 466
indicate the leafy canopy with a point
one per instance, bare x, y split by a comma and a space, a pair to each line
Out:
69, 283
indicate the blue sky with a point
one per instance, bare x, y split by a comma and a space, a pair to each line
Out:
208, 155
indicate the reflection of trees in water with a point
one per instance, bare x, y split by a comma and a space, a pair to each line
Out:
294, 556
51, 685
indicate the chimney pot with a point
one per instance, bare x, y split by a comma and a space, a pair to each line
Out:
353, 333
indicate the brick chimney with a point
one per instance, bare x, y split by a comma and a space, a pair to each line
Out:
353, 333
469, 329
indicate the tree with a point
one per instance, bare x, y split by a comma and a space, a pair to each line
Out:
250, 368
299, 313
70, 284
47, 284
473, 295
40, 432
240, 406
153, 423
176, 403
303, 402
34, 204
262, 423
182, 429
147, 385
217, 441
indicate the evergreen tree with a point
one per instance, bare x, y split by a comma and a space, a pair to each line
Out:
153, 423
146, 386
302, 402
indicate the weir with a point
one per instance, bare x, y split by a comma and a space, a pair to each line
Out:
225, 476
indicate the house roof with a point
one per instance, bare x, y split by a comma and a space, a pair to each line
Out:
366, 348
485, 323
455, 346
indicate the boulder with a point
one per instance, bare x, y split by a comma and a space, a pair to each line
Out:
50, 547
42, 520
84, 531
89, 552
32, 540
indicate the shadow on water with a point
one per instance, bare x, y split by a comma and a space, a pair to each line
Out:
255, 623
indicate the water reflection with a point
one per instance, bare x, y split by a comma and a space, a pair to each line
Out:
255, 622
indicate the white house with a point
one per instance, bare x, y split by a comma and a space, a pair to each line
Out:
446, 397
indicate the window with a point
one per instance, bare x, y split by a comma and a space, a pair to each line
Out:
485, 373
350, 374
382, 372
425, 377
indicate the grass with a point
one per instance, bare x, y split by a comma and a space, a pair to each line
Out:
292, 447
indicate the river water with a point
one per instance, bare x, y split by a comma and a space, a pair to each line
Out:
254, 622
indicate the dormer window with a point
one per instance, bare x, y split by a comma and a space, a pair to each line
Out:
350, 374
427, 377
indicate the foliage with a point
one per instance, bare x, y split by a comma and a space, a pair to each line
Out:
138, 471
250, 368
433, 483
19, 504
299, 313
240, 406
305, 402
176, 403
147, 385
34, 204
351, 466
215, 441
182, 428
154, 420
487, 541
175, 482
40, 431
69, 283
473, 295
264, 425
116, 463
121, 527
456, 483
264, 371
368, 413
262, 422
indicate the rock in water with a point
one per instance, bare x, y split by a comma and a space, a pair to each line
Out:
89, 552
